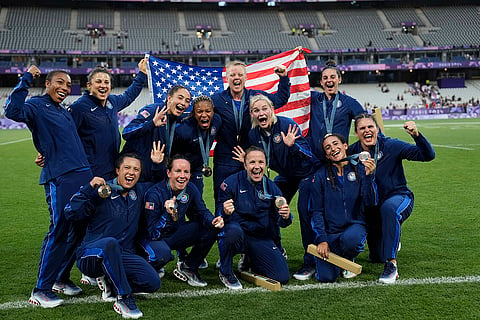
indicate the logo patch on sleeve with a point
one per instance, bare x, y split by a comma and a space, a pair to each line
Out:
149, 205
223, 186
145, 113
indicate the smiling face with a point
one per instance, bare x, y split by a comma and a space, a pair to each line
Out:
179, 175
178, 102
335, 149
262, 114
255, 164
367, 132
203, 112
128, 172
100, 86
236, 76
330, 81
58, 87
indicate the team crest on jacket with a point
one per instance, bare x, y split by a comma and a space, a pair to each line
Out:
277, 138
132, 194
380, 155
213, 131
351, 176
145, 113
184, 198
109, 105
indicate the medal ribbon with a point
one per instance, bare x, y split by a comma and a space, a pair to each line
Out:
238, 113
329, 121
204, 148
353, 159
115, 186
266, 147
179, 196
264, 186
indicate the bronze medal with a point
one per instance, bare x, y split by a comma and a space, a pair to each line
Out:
280, 201
207, 171
104, 191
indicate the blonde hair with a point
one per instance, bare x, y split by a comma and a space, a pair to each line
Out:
236, 63
261, 97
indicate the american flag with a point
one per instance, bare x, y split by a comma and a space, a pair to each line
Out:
164, 74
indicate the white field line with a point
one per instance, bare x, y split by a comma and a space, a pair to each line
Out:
435, 124
14, 141
452, 147
210, 292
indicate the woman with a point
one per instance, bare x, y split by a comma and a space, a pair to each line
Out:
251, 222
395, 198
95, 115
339, 192
289, 154
194, 137
331, 111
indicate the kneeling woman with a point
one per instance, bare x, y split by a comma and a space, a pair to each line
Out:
339, 192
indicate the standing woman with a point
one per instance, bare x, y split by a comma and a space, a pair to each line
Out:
395, 198
339, 192
331, 111
65, 169
95, 115
194, 137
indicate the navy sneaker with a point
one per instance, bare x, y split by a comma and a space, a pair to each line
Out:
390, 273
127, 307
230, 281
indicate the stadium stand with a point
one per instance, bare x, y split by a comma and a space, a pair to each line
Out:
398, 15
30, 28
453, 25
352, 35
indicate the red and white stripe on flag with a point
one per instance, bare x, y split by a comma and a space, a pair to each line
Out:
260, 76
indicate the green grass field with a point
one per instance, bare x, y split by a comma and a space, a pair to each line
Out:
438, 263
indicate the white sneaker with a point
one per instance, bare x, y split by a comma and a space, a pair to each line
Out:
348, 274
304, 273
88, 280
192, 277
67, 288
243, 263
161, 273
45, 299
107, 294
